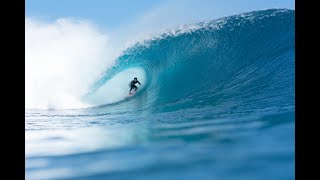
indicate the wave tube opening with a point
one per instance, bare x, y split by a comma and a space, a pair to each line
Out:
117, 88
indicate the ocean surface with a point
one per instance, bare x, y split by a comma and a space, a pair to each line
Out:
217, 101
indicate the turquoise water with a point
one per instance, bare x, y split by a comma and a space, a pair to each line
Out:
217, 102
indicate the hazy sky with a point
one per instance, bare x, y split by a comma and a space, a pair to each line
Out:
112, 14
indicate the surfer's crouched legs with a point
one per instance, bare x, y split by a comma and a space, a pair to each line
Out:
133, 87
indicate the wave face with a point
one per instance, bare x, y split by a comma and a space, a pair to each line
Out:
244, 61
214, 93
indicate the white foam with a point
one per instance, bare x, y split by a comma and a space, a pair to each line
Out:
63, 59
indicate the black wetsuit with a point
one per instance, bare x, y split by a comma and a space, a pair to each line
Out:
133, 86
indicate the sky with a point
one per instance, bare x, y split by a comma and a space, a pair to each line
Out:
113, 14
105, 12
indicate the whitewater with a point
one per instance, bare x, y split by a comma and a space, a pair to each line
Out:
217, 101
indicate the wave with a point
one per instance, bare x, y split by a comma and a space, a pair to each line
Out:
242, 61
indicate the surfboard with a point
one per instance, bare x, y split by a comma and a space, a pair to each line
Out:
131, 94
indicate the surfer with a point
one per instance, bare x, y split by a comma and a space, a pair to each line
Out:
133, 86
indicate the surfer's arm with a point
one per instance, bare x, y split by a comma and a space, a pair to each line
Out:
139, 83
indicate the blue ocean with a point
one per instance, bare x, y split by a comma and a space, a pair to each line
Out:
216, 101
